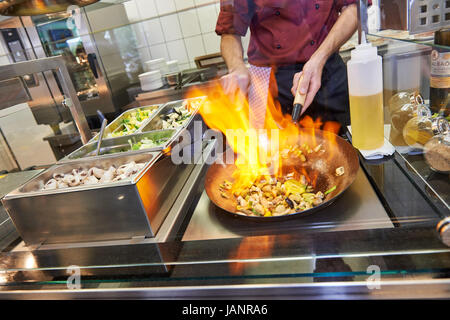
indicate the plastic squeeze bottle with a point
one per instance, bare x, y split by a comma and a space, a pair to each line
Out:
365, 85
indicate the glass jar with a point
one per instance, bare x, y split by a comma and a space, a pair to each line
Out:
419, 130
402, 107
406, 112
399, 99
437, 153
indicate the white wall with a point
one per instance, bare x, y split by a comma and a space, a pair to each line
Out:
102, 23
176, 29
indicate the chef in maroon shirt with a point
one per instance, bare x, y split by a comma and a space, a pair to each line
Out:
294, 37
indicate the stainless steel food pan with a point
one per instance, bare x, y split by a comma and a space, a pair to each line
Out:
122, 145
156, 122
112, 211
118, 125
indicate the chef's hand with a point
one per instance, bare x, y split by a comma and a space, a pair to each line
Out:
311, 81
236, 82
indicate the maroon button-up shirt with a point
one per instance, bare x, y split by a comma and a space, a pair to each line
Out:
282, 32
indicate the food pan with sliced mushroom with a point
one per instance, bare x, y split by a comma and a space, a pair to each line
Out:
91, 200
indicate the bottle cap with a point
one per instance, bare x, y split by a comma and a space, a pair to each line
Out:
364, 51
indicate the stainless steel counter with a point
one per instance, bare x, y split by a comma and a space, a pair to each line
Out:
359, 208
8, 183
351, 234
13, 180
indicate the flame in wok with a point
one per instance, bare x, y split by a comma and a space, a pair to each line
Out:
259, 150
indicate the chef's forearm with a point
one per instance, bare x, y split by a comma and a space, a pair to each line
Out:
342, 30
232, 51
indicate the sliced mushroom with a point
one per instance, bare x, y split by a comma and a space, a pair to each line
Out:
51, 184
72, 180
62, 185
96, 172
340, 171
94, 175
108, 176
89, 180
57, 176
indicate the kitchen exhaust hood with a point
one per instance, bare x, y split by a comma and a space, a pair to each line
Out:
37, 7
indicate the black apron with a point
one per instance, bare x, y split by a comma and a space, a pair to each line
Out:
331, 102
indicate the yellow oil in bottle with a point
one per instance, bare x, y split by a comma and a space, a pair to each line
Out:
366, 116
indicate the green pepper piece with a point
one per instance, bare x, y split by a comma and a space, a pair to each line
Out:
330, 190
136, 146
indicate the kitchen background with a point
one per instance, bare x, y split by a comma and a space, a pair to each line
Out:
106, 51
126, 34
175, 29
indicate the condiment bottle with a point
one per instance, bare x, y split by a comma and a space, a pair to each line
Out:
419, 130
365, 84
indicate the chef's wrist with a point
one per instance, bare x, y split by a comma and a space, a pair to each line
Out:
320, 57
238, 68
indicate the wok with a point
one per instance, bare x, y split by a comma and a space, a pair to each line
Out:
337, 154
